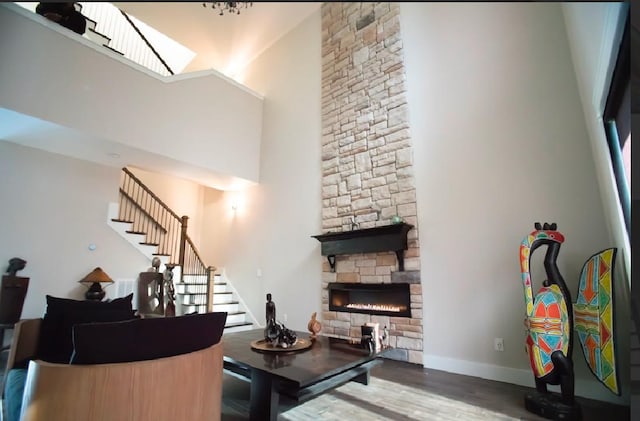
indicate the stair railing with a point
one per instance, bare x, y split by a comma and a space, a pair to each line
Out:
166, 230
146, 41
124, 36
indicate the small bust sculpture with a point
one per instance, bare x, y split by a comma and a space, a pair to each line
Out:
155, 265
15, 264
314, 326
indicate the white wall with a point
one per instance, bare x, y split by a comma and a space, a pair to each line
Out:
204, 121
500, 142
272, 228
217, 224
53, 207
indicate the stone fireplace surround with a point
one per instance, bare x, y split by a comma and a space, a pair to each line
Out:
367, 162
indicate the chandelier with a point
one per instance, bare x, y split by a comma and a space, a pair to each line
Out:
229, 6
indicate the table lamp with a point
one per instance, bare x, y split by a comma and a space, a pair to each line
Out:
95, 278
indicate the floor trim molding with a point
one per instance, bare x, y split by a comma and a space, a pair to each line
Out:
590, 389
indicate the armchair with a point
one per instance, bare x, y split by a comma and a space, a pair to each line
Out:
127, 380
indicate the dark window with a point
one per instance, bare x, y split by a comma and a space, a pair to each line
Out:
617, 123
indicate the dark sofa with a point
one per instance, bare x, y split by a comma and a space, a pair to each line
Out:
59, 361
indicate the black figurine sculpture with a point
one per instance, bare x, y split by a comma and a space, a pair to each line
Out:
270, 310
276, 333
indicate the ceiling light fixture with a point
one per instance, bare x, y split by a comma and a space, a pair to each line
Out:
229, 6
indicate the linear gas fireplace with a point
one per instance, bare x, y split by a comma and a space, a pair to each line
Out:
383, 299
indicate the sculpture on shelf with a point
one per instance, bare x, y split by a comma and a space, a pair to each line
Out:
314, 326
367, 340
13, 291
155, 265
170, 308
150, 297
550, 322
15, 264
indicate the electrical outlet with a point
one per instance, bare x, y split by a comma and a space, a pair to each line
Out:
498, 344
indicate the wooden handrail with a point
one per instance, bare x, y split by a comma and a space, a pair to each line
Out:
183, 240
143, 210
195, 251
135, 27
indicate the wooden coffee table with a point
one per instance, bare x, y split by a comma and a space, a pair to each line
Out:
301, 375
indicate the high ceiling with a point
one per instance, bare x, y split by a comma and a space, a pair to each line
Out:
225, 43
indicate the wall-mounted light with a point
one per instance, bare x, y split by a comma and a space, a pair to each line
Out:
235, 202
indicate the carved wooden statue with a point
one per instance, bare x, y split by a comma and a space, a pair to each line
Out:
170, 308
550, 322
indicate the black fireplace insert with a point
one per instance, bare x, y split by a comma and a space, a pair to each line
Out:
382, 299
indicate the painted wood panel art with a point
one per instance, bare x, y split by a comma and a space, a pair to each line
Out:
593, 315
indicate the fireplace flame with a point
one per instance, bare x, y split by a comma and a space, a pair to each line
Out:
377, 307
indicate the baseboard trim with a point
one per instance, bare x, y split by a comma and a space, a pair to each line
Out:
591, 389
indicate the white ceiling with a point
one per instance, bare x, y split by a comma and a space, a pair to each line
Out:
225, 43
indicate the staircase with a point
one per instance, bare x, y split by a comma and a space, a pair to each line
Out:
156, 231
225, 298
115, 30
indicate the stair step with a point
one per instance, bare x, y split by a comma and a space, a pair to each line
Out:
193, 300
237, 324
190, 308
236, 317
125, 221
96, 37
113, 49
228, 307
161, 254
219, 289
223, 298
231, 328
91, 24
136, 232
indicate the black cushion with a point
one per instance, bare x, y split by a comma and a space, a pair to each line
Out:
55, 342
145, 339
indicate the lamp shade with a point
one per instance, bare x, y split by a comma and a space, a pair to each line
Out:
96, 275
95, 278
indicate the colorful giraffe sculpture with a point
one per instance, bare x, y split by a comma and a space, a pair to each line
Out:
550, 323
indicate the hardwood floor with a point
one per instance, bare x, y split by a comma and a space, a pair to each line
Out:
402, 391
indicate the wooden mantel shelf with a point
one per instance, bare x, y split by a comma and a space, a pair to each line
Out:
369, 240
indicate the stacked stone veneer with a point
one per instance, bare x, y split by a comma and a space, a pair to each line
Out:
367, 160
